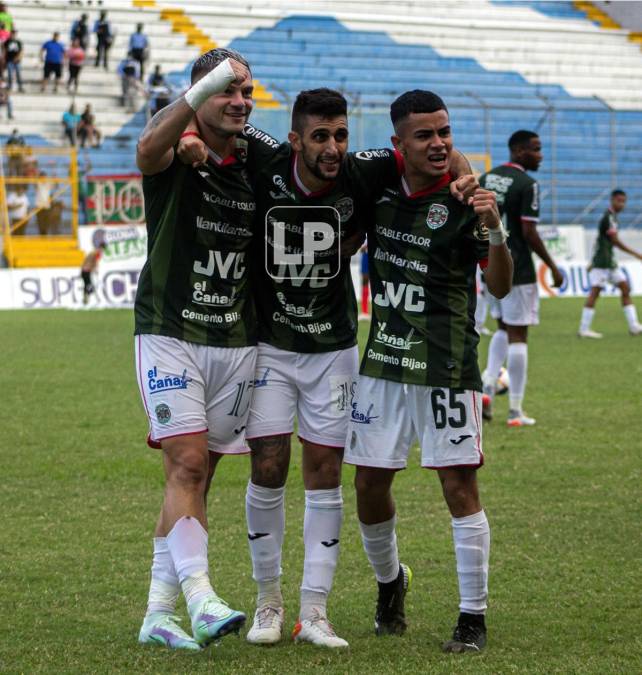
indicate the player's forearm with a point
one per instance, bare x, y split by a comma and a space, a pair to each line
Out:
537, 246
499, 271
623, 247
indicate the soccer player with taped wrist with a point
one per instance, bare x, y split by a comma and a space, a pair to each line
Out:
195, 335
419, 378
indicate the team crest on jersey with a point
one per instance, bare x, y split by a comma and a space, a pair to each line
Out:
437, 216
241, 149
163, 413
345, 207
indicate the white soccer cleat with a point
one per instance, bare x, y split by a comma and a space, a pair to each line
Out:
589, 334
267, 627
319, 632
516, 418
636, 330
163, 629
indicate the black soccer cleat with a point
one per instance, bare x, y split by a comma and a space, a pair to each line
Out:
390, 618
469, 635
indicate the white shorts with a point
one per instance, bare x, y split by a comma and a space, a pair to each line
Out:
314, 387
494, 305
189, 388
388, 417
599, 277
521, 306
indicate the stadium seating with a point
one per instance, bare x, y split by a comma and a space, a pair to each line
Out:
499, 66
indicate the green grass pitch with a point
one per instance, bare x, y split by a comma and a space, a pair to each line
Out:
80, 492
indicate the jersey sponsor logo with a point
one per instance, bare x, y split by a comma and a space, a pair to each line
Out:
262, 381
315, 328
222, 228
410, 296
300, 311
223, 263
372, 154
345, 207
360, 417
228, 203
282, 185
398, 235
249, 130
437, 216
156, 384
461, 439
395, 341
397, 260
200, 296
163, 413
404, 361
499, 185
228, 317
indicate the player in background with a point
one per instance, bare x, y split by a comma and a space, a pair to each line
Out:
483, 305
518, 200
365, 283
89, 267
195, 335
419, 377
307, 358
604, 270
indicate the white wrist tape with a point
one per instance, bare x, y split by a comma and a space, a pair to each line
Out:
497, 236
215, 82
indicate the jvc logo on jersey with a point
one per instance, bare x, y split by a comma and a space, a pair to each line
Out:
157, 384
408, 296
228, 265
302, 244
395, 341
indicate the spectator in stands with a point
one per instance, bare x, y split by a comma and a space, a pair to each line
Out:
158, 91
75, 56
43, 204
89, 266
15, 161
52, 53
13, 56
104, 37
129, 72
5, 98
80, 31
87, 130
139, 48
5, 17
70, 122
84, 167
4, 36
18, 208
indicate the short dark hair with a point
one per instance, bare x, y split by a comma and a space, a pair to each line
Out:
415, 101
617, 192
521, 138
208, 61
323, 102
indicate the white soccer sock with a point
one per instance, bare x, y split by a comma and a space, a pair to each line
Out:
587, 318
164, 587
497, 350
265, 513
631, 315
187, 543
321, 532
517, 373
471, 536
380, 545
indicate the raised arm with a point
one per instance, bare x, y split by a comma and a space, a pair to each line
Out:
155, 149
615, 240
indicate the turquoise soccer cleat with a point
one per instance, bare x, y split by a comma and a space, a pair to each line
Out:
213, 619
163, 629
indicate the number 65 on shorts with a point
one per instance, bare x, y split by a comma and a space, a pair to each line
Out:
387, 418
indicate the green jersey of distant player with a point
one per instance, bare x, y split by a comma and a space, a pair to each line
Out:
603, 254
195, 285
518, 199
423, 252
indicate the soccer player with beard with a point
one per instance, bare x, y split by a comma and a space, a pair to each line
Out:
518, 199
307, 356
419, 378
195, 334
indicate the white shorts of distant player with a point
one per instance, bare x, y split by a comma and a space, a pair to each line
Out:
494, 305
521, 306
189, 388
388, 417
600, 277
314, 388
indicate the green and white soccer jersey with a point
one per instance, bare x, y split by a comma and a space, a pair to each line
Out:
518, 199
305, 309
195, 285
603, 254
423, 252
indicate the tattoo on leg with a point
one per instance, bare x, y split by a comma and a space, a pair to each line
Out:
270, 460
